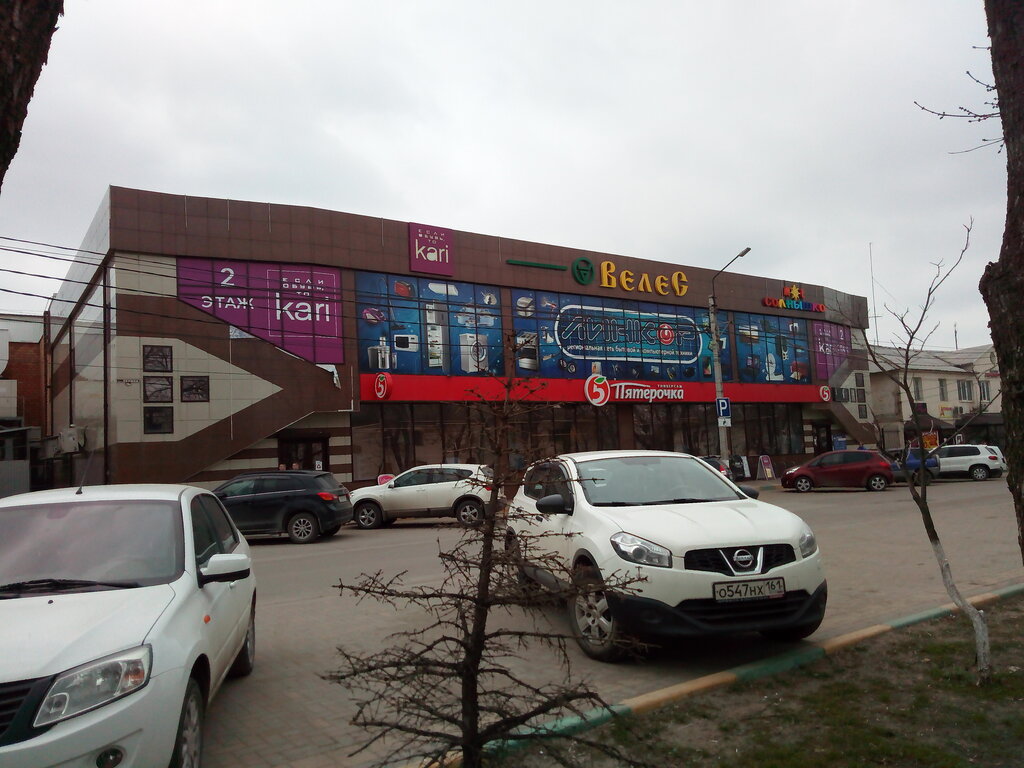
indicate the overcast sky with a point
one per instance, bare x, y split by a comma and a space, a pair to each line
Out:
679, 131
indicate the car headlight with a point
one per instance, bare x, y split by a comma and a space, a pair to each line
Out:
808, 544
94, 684
637, 550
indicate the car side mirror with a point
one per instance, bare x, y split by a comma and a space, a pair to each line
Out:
220, 494
225, 568
391, 484
555, 504
750, 490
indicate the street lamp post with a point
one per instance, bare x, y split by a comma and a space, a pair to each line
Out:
716, 354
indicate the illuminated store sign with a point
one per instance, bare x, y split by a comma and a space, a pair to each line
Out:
430, 250
561, 335
294, 307
793, 298
624, 334
600, 390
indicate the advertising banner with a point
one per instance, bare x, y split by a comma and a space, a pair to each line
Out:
294, 307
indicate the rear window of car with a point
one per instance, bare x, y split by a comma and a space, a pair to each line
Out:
325, 482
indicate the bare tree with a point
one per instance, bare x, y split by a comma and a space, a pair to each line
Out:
26, 28
448, 690
913, 337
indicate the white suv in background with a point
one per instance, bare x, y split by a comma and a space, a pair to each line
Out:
979, 462
710, 558
433, 490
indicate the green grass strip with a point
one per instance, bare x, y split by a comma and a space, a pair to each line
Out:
781, 663
562, 726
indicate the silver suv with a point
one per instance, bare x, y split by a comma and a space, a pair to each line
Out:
979, 462
435, 490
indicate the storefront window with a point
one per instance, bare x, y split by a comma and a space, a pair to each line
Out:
399, 446
427, 433
367, 455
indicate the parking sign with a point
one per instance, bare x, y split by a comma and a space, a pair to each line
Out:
724, 407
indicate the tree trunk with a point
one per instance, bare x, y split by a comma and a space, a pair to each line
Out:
1002, 284
26, 27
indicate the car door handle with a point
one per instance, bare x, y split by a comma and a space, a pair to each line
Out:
539, 518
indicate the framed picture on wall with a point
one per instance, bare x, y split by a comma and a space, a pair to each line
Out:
157, 389
158, 420
157, 358
195, 389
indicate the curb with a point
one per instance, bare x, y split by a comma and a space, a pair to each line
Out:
785, 662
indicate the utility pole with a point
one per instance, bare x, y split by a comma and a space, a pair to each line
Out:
716, 354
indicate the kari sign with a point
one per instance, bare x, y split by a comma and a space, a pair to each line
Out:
600, 390
430, 250
295, 307
831, 344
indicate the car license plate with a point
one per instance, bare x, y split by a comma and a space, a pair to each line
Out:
756, 589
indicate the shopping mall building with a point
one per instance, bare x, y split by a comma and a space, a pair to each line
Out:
195, 338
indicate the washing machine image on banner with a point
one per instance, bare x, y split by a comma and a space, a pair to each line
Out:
473, 352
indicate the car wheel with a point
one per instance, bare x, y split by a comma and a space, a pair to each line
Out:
244, 662
469, 512
303, 528
332, 530
803, 484
368, 515
188, 745
979, 472
877, 483
597, 632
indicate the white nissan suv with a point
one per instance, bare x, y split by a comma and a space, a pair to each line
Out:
123, 608
698, 554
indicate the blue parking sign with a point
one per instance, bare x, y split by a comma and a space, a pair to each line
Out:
724, 407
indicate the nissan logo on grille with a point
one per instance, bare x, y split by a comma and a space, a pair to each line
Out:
742, 559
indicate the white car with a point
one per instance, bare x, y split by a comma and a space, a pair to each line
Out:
433, 490
979, 462
124, 608
712, 559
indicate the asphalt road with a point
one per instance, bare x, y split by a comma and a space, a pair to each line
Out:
878, 561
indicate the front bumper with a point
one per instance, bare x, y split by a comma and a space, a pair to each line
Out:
142, 725
704, 616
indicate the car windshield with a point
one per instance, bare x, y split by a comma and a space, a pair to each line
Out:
89, 545
649, 480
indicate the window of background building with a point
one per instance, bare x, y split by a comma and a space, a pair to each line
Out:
984, 391
858, 379
965, 390
918, 388
943, 390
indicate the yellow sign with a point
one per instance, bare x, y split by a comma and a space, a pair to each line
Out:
642, 282
930, 440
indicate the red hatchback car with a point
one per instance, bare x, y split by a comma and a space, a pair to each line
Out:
840, 469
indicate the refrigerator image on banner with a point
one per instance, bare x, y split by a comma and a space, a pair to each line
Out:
435, 332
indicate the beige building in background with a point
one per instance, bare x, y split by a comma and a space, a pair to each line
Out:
958, 390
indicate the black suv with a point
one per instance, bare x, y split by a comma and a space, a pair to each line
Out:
302, 503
